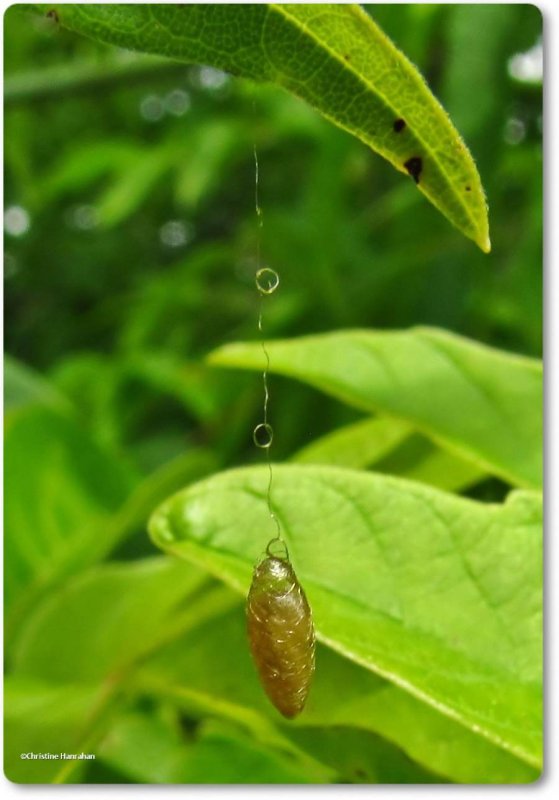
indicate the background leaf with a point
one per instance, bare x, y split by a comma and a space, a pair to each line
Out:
129, 608
61, 492
482, 404
390, 445
341, 53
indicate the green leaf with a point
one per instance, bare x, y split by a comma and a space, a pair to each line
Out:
420, 459
358, 445
130, 611
334, 57
389, 445
129, 607
61, 493
438, 594
480, 403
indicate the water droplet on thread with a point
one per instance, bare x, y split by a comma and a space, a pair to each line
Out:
267, 280
263, 435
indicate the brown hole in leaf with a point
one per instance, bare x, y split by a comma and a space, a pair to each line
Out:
414, 166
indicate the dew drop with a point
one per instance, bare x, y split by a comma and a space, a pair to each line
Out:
267, 280
263, 435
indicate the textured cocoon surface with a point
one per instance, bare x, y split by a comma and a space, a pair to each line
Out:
281, 635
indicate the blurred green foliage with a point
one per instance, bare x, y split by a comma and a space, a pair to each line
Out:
130, 248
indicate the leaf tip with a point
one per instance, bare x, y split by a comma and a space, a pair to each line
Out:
485, 243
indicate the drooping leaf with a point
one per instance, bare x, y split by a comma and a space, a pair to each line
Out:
334, 57
438, 594
483, 404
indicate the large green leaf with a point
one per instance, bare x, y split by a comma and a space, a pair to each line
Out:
438, 594
190, 671
334, 57
481, 403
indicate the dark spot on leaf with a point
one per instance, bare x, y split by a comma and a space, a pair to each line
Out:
347, 58
414, 166
468, 188
52, 14
399, 125
359, 772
